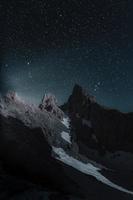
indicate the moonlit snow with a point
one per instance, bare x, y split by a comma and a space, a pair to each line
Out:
66, 122
88, 169
66, 136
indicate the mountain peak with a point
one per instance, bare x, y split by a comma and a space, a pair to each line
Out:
50, 103
11, 95
80, 92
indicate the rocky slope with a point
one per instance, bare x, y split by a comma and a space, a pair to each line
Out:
43, 145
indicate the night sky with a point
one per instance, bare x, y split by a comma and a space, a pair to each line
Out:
49, 45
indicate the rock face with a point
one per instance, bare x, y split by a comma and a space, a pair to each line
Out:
113, 128
79, 102
49, 103
99, 127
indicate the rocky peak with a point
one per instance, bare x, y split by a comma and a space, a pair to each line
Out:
111, 128
79, 102
11, 96
49, 103
79, 91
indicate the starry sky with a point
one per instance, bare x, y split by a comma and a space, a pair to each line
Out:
49, 45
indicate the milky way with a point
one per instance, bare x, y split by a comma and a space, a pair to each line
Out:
48, 46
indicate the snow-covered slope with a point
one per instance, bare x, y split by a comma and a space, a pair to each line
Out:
66, 136
66, 122
88, 169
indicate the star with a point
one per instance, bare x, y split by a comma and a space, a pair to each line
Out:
97, 86
28, 63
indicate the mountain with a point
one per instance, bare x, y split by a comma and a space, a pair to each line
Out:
49, 103
47, 146
97, 127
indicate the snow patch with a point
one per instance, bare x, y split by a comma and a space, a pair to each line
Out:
88, 169
66, 136
66, 122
